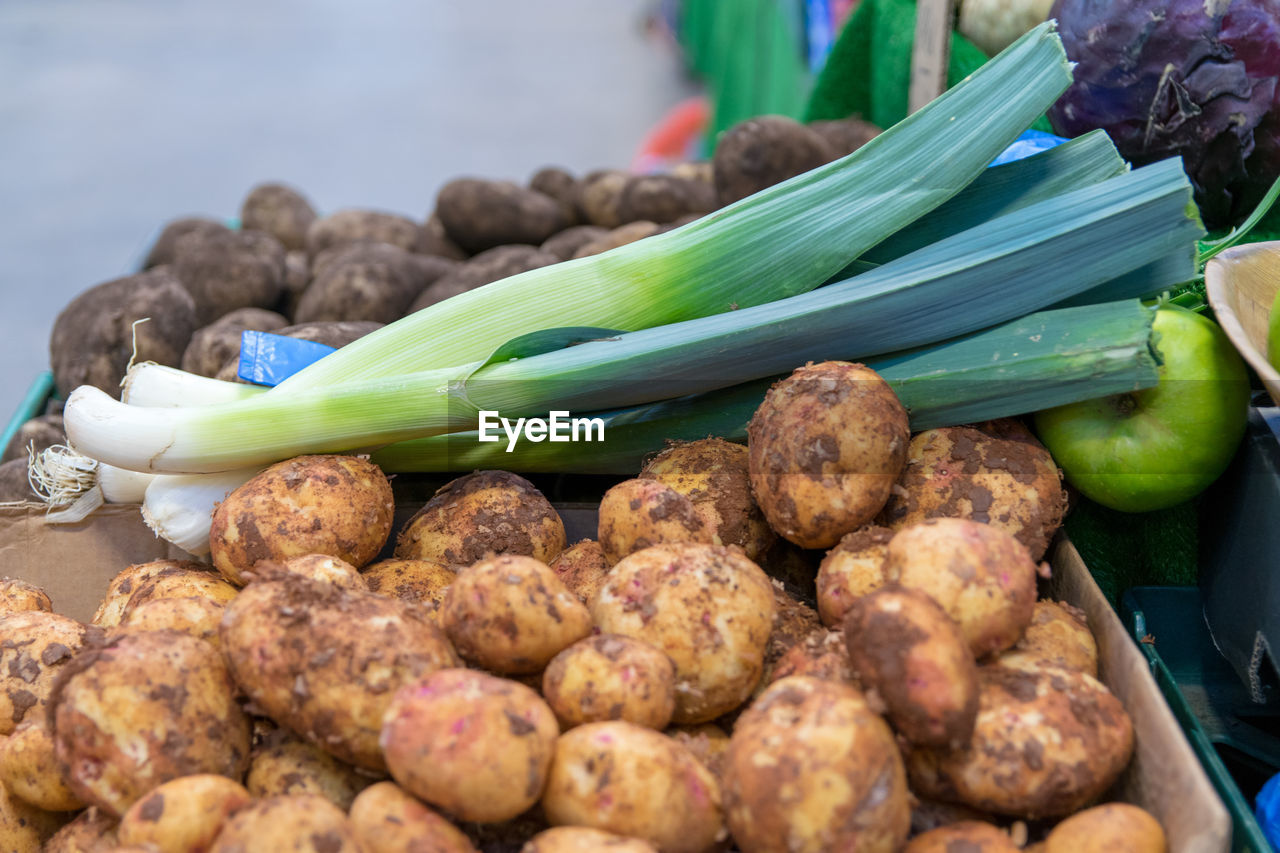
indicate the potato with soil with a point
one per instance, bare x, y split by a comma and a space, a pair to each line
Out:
184, 814
663, 198
127, 581
582, 839
280, 211
960, 472
566, 244
620, 236
92, 831
422, 582
1046, 743
178, 579
1058, 636
324, 661
362, 226
335, 505
34, 647
709, 608
305, 823
365, 281
212, 345
812, 768
475, 745
845, 136
226, 271
164, 249
485, 268
19, 596
1109, 827
983, 577
388, 820
850, 570
610, 677
23, 827
821, 655
708, 742
511, 614
763, 151
37, 434
715, 475
583, 568
332, 334
285, 764
563, 187
324, 568
600, 196
433, 242
969, 836
29, 769
479, 214
638, 514
903, 645
633, 781
144, 708
95, 336
826, 446
483, 513
14, 484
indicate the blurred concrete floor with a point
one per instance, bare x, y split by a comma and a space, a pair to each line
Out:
118, 115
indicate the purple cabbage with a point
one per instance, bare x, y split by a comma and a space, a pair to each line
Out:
1189, 78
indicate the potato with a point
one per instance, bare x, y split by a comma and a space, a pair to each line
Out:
144, 708
638, 514
582, 839
335, 505
928, 814
92, 831
708, 742
763, 151
582, 567
306, 823
14, 484
322, 567
620, 236
280, 211
633, 781
793, 622
561, 186
226, 271
479, 214
903, 645
213, 344
286, 764
18, 596
821, 655
511, 614
29, 770
1113, 826
1059, 636
826, 446
297, 275
472, 744
565, 244
324, 661
709, 608
1046, 743
811, 767
486, 512
599, 197
845, 136
126, 582
850, 570
164, 249
95, 336
982, 577
610, 677
970, 836
184, 814
366, 281
362, 226
179, 579
333, 334
487, 267
34, 647
37, 434
715, 475
416, 581
663, 198
387, 820
434, 242
958, 472
23, 827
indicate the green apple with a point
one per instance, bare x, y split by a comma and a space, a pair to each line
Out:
1154, 448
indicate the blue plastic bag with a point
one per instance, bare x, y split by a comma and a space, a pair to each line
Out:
1028, 143
267, 359
1267, 809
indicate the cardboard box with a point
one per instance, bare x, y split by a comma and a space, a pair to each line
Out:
74, 563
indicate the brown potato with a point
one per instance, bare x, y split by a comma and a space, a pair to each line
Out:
29, 770
322, 567
230, 270
631, 232
485, 268
421, 582
324, 661
708, 742
126, 582
928, 814
297, 275
959, 472
599, 196
566, 244
582, 567
610, 677
365, 281
826, 446
18, 596
34, 647
663, 198
305, 823
280, 211
821, 655
638, 514
362, 226
335, 505
164, 249
212, 345
793, 622
487, 512
475, 745
1046, 743
715, 475
845, 136
709, 608
92, 831
812, 768
14, 484
983, 577
903, 645
763, 151
144, 708
37, 434
633, 781
23, 827
433, 241
184, 814
388, 820
1059, 636
970, 836
1109, 827
480, 214
511, 614
285, 764
582, 839
183, 579
850, 570
561, 186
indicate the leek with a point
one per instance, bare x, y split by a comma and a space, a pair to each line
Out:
179, 508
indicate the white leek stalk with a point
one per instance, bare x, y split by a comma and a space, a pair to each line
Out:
73, 485
179, 508
156, 385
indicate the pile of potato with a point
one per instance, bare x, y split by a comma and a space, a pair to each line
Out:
477, 683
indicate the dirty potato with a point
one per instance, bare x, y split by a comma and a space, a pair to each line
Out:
196, 617
183, 580
582, 839
144, 708
970, 836
708, 742
92, 831
850, 570
600, 195
1058, 635
305, 823
487, 512
633, 781
421, 582
326, 568
762, 151
362, 226
29, 769
475, 745
821, 654
709, 608
903, 645
184, 814
566, 244
582, 567
23, 827
1113, 826
479, 214
388, 820
126, 583
610, 677
511, 614
812, 768
335, 505
638, 514
17, 596
285, 764
826, 447
34, 647
280, 211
